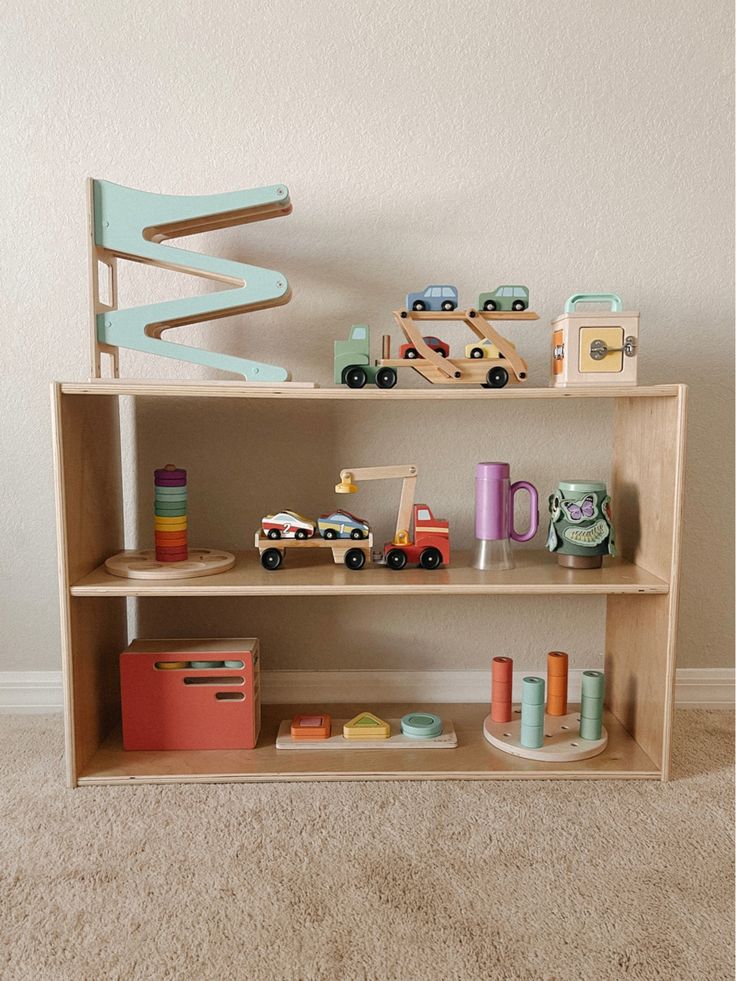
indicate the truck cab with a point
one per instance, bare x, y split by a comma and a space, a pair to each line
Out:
352, 362
431, 545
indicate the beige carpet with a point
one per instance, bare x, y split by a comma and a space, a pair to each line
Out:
367, 881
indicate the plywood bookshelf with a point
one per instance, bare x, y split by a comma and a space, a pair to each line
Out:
640, 591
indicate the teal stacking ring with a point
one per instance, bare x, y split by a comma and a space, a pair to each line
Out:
421, 725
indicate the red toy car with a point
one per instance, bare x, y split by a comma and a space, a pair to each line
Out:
409, 351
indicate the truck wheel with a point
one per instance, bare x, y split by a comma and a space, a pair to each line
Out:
271, 559
357, 534
329, 534
497, 377
355, 558
418, 305
431, 558
274, 533
489, 305
411, 353
518, 305
396, 559
355, 377
385, 378
476, 353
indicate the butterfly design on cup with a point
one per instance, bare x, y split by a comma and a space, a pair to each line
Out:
583, 510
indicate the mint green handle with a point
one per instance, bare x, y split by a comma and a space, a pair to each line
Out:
613, 298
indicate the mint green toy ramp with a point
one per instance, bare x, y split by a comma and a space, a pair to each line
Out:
130, 224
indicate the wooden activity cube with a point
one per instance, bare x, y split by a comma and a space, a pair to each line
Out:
190, 694
595, 348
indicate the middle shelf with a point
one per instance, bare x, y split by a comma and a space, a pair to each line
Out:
536, 572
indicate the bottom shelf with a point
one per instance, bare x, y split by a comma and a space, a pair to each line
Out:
474, 758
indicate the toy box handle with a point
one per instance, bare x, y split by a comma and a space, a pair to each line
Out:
613, 298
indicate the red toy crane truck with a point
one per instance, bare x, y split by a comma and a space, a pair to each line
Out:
430, 546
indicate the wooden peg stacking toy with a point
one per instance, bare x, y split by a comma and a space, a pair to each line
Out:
170, 514
556, 683
591, 705
502, 669
532, 712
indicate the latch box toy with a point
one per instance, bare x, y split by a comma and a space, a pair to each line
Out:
595, 347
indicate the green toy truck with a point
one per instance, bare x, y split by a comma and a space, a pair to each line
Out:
352, 365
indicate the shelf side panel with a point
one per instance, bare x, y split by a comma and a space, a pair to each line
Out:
647, 491
89, 528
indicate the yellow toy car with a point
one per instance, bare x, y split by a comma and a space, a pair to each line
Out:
484, 349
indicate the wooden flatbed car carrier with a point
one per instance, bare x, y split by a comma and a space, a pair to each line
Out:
489, 372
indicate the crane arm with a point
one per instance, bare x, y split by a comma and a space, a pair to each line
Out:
349, 477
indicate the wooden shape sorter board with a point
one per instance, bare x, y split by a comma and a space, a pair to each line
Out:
397, 740
562, 740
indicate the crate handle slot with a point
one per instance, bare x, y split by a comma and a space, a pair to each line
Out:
196, 665
214, 680
230, 696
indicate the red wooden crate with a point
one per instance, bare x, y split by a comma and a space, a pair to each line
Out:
190, 706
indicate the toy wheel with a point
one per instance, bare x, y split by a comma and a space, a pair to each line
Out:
411, 354
300, 533
489, 305
448, 305
385, 378
418, 305
356, 534
431, 558
497, 377
330, 534
396, 559
476, 353
518, 305
355, 558
440, 352
355, 377
274, 533
271, 559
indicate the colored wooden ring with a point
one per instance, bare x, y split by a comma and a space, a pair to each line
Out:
177, 543
532, 690
172, 558
163, 523
164, 512
532, 715
501, 712
593, 683
532, 736
162, 491
500, 693
170, 473
556, 663
180, 552
421, 725
502, 667
591, 728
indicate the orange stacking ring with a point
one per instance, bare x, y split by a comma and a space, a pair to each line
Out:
557, 683
502, 672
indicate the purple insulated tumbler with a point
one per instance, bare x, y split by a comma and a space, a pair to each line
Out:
494, 516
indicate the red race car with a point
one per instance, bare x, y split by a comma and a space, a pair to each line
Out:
409, 351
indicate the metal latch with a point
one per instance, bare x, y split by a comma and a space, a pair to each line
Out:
558, 352
599, 349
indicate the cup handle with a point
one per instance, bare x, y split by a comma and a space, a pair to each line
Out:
533, 508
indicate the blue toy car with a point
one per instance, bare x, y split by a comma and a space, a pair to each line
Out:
433, 298
342, 524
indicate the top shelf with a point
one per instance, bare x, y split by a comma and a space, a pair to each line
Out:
306, 390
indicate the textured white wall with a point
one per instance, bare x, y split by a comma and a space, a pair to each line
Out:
566, 145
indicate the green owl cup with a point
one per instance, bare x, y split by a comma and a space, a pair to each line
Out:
580, 524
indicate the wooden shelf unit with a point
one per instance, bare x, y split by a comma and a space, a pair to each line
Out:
641, 590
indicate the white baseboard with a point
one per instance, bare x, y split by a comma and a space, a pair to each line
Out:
40, 691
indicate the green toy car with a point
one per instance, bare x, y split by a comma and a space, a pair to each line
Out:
514, 298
